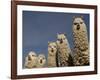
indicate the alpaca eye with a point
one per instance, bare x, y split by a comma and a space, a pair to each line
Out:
75, 23
64, 38
58, 39
81, 22
43, 58
33, 55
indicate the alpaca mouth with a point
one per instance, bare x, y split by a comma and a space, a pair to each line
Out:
78, 27
52, 50
61, 41
29, 58
40, 61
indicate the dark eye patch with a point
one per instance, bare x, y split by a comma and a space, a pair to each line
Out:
34, 55
58, 39
75, 23
81, 22
64, 38
43, 58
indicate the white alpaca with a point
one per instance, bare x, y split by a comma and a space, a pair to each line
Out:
31, 60
52, 50
81, 46
41, 61
64, 51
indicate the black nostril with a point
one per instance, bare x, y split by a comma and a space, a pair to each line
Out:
78, 27
29, 58
61, 41
52, 50
40, 61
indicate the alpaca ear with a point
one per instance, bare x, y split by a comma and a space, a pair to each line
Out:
65, 34
74, 17
48, 42
81, 17
57, 33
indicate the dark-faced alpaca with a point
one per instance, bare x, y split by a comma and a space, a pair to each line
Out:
64, 51
81, 45
52, 51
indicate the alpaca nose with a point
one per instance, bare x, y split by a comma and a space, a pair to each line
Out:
41, 61
78, 27
52, 50
61, 41
29, 58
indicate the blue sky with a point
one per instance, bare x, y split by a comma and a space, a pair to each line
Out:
41, 27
